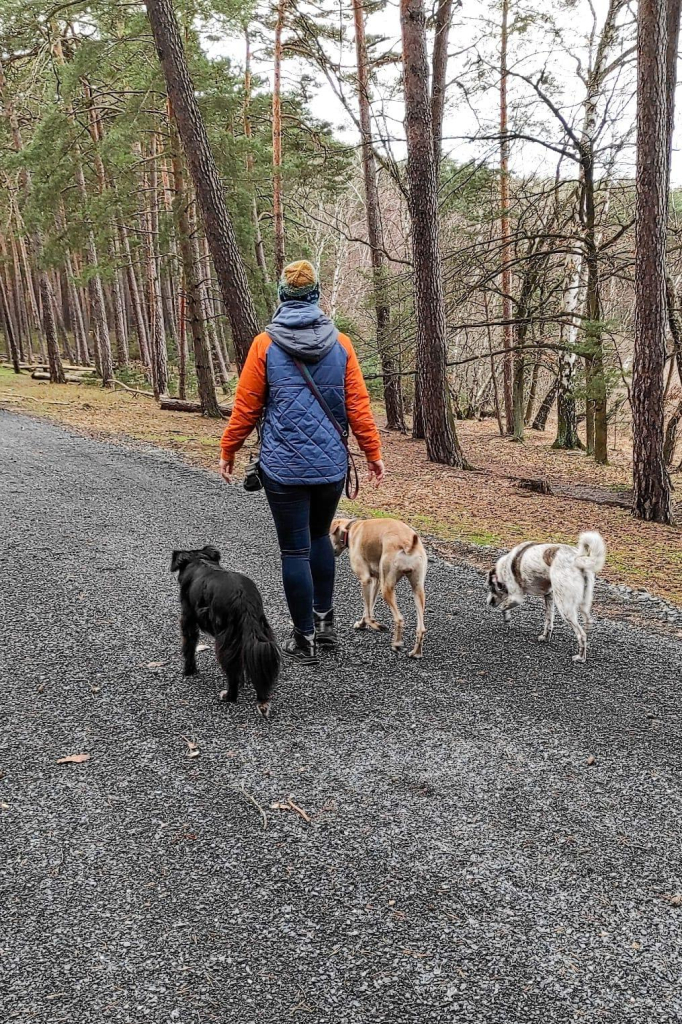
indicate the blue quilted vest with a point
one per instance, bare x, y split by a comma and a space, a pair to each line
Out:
299, 444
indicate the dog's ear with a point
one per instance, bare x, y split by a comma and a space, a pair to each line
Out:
178, 560
211, 553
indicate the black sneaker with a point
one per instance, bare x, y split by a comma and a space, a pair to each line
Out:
325, 634
301, 648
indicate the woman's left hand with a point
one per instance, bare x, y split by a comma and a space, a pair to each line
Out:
227, 469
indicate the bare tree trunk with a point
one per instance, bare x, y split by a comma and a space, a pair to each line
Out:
533, 390
219, 231
192, 292
567, 420
442, 444
652, 499
506, 253
540, 421
393, 398
277, 207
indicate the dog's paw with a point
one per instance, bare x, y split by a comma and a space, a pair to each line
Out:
190, 670
579, 658
397, 645
264, 709
360, 624
543, 638
227, 698
378, 626
415, 654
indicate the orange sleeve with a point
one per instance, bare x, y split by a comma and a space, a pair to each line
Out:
358, 405
249, 398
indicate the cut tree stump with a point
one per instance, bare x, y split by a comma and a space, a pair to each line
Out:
177, 405
538, 485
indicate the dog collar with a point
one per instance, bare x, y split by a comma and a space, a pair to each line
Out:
345, 536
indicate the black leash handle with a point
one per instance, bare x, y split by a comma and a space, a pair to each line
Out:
352, 479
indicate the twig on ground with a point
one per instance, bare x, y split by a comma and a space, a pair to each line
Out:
255, 803
131, 391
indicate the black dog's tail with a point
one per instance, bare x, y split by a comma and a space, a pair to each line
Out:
261, 657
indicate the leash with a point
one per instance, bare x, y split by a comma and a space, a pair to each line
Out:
352, 479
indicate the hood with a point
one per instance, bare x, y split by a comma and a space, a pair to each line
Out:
302, 330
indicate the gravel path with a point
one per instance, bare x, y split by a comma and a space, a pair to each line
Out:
463, 860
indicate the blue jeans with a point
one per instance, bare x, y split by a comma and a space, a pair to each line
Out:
303, 515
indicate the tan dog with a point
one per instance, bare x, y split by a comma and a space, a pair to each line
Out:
381, 552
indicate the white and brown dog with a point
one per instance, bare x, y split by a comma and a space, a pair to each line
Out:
561, 574
381, 552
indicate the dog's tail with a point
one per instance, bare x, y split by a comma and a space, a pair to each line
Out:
261, 657
591, 552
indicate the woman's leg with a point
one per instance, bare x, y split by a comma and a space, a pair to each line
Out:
324, 500
290, 507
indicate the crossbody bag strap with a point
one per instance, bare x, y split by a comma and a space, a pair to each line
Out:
352, 481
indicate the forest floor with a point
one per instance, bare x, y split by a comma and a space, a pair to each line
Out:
469, 512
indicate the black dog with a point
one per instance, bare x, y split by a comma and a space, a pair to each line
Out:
228, 607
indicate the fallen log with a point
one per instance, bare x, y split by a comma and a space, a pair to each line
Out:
178, 405
71, 378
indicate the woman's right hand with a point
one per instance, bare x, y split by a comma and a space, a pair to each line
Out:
376, 472
227, 469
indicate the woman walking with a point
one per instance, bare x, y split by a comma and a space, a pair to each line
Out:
303, 459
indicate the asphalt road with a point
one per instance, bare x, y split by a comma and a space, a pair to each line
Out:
462, 861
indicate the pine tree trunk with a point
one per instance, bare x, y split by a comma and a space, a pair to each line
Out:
505, 232
57, 375
182, 341
652, 499
393, 398
442, 444
160, 345
277, 206
116, 293
439, 74
20, 301
79, 331
8, 322
192, 292
248, 132
139, 315
8, 281
219, 231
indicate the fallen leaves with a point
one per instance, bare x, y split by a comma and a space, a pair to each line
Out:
73, 759
591, 760
192, 747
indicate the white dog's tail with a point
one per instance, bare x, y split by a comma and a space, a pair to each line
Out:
591, 552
